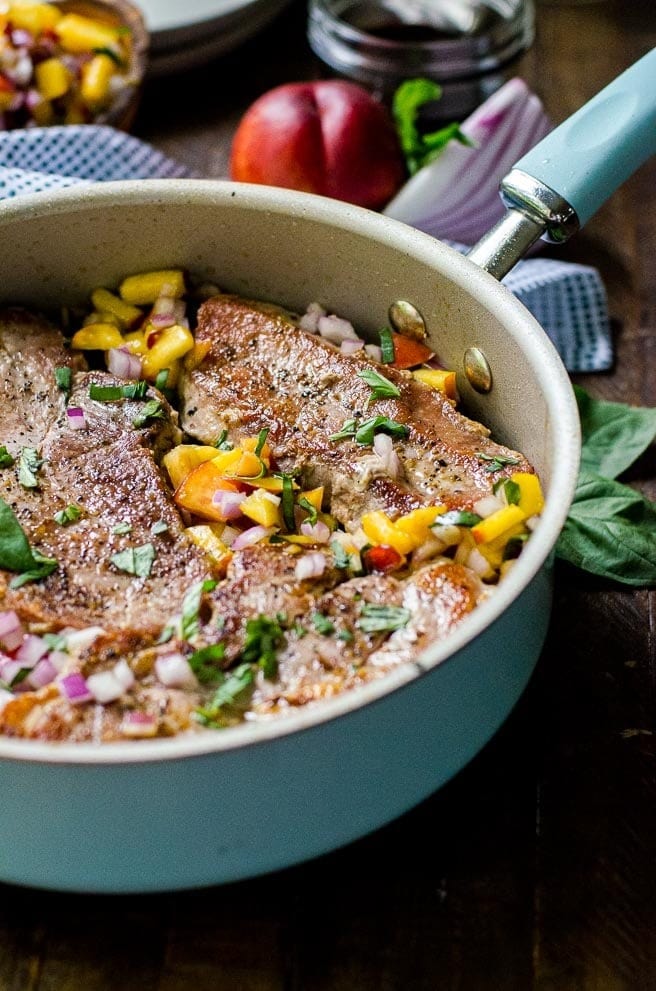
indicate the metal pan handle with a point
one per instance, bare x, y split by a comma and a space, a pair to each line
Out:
557, 186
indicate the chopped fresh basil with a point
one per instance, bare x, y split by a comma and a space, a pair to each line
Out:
287, 501
64, 379
222, 442
382, 619
161, 379
614, 434
510, 490
6, 459
110, 393
345, 635
29, 463
457, 517
235, 689
311, 510
420, 148
110, 53
189, 619
55, 641
68, 515
203, 662
15, 551
322, 624
495, 462
261, 441
341, 558
122, 528
161, 526
348, 430
152, 410
263, 639
381, 388
135, 560
387, 346
379, 424
610, 531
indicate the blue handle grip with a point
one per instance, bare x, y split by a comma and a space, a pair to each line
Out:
592, 153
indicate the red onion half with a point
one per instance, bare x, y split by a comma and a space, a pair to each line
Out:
123, 364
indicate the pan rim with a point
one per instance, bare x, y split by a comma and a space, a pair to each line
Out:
474, 281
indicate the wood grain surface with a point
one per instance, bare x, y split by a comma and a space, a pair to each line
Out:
536, 867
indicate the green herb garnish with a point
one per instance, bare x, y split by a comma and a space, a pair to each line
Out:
311, 510
387, 346
135, 390
135, 560
68, 515
287, 501
152, 410
614, 434
382, 619
381, 388
161, 526
161, 379
203, 662
495, 462
348, 430
222, 442
6, 459
110, 53
234, 690
457, 517
55, 641
64, 379
189, 619
263, 639
379, 424
122, 528
345, 635
510, 490
110, 393
16, 554
341, 558
420, 149
28, 465
261, 441
322, 624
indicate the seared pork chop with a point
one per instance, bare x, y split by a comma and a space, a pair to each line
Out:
262, 371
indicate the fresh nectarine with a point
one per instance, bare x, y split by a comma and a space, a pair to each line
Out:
328, 137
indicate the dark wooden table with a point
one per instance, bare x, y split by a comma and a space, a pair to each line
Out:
536, 867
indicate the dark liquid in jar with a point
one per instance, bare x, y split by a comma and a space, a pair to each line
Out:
408, 33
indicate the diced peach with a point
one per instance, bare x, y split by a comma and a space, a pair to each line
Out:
314, 497
182, 460
531, 499
148, 286
97, 337
171, 344
239, 463
250, 443
35, 18
83, 34
260, 507
438, 378
96, 77
380, 530
416, 523
408, 352
108, 302
196, 491
52, 78
497, 524
208, 539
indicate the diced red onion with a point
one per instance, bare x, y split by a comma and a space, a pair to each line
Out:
5, 697
122, 363
336, 329
21, 38
33, 99
105, 687
228, 503
350, 347
124, 673
76, 418
374, 351
384, 448
58, 659
317, 531
478, 564
174, 671
42, 674
138, 725
310, 566
487, 505
253, 535
12, 631
310, 319
31, 650
9, 668
74, 688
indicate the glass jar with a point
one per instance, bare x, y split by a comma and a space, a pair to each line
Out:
466, 46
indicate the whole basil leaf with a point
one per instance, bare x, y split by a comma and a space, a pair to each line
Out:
15, 551
610, 531
614, 434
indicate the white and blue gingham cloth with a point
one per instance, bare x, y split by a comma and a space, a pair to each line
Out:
568, 300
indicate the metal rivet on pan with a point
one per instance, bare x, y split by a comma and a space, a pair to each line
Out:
406, 319
477, 370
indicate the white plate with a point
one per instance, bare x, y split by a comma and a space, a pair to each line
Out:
173, 23
213, 43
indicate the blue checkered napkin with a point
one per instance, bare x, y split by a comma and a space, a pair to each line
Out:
568, 300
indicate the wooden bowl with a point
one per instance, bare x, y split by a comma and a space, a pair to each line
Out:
119, 13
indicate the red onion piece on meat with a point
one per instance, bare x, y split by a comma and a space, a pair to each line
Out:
122, 363
105, 687
384, 448
317, 531
74, 688
42, 674
138, 725
76, 418
228, 503
374, 352
336, 330
310, 566
12, 631
31, 650
174, 671
253, 535
350, 347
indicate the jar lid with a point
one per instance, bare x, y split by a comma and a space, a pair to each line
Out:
383, 41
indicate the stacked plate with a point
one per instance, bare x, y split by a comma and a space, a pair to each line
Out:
188, 33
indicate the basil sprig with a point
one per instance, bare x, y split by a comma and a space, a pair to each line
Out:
611, 527
17, 555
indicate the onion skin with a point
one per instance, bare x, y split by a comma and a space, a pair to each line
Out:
328, 137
